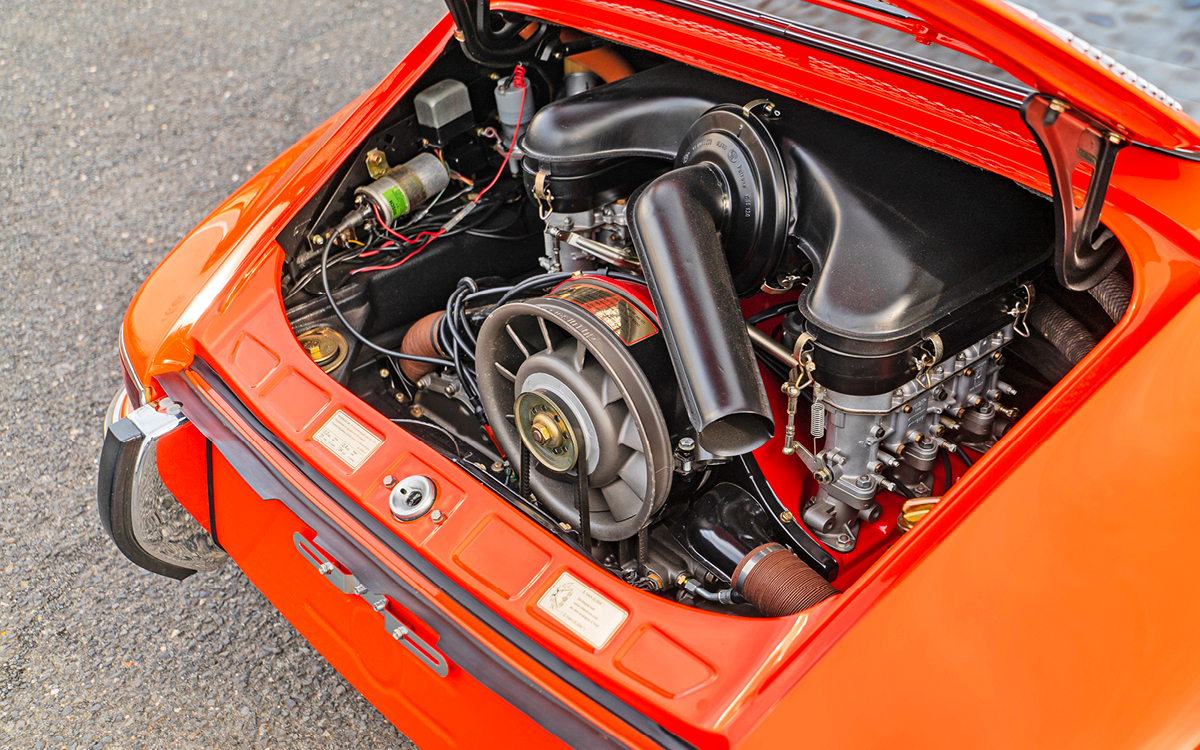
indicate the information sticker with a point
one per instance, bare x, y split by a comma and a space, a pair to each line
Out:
583, 610
620, 315
347, 439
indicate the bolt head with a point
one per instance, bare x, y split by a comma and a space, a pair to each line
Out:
898, 393
687, 444
498, 466
437, 516
787, 516
864, 481
389, 481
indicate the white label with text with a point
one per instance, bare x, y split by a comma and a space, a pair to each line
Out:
347, 439
583, 610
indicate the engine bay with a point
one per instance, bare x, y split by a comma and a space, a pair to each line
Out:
726, 345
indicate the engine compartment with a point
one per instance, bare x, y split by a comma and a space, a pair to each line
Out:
726, 345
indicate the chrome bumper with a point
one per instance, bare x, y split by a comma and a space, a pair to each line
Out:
137, 511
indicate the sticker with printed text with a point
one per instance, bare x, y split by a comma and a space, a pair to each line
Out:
347, 439
583, 610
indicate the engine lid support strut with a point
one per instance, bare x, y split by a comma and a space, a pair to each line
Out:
1068, 138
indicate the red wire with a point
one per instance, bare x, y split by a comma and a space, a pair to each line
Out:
399, 262
518, 80
394, 233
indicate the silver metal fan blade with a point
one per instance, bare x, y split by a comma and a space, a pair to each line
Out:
504, 373
545, 334
629, 435
622, 501
634, 473
517, 340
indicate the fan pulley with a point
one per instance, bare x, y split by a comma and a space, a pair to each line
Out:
569, 375
546, 430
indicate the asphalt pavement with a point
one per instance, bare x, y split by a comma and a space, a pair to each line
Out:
122, 124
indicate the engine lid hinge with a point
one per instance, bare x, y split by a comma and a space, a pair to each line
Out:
1068, 138
494, 39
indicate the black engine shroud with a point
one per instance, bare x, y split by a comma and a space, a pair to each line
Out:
903, 242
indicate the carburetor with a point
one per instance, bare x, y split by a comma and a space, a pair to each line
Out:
891, 440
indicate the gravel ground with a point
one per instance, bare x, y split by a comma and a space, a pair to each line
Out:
121, 125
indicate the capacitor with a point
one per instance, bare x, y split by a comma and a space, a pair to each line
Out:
406, 186
508, 106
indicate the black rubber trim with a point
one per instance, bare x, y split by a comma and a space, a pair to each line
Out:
114, 497
459, 646
964, 82
212, 500
1177, 153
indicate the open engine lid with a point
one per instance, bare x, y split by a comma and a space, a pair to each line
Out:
1050, 59
1058, 63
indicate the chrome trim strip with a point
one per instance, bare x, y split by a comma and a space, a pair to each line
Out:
127, 366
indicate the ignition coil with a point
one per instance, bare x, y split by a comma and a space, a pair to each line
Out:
396, 193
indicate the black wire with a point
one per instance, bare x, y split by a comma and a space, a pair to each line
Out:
452, 342
367, 342
496, 234
904, 492
534, 282
622, 276
772, 312
948, 468
457, 449
307, 278
962, 453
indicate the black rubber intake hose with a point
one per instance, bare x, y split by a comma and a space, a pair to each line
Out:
1061, 329
677, 223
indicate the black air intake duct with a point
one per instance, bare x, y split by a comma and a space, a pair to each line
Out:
729, 193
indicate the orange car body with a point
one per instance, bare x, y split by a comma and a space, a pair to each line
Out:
1042, 604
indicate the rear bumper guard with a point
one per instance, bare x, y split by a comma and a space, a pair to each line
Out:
137, 511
